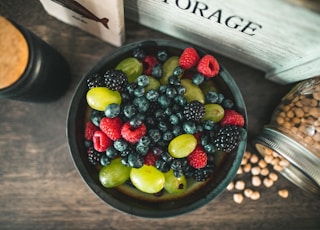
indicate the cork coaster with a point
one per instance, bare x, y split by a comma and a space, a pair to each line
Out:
14, 53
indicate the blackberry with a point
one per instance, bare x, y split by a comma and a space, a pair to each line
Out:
227, 138
95, 80
94, 156
115, 79
203, 173
194, 110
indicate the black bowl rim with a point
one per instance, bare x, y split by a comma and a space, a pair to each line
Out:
123, 207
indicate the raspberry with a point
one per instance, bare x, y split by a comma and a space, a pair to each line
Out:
148, 63
132, 135
89, 130
111, 127
150, 159
100, 141
208, 66
189, 58
198, 158
232, 117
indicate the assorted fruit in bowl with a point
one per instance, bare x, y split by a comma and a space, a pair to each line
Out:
158, 122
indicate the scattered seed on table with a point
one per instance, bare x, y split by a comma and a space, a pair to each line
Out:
247, 167
255, 195
283, 193
262, 163
273, 176
254, 158
255, 170
238, 198
267, 182
240, 185
256, 181
264, 172
248, 192
230, 186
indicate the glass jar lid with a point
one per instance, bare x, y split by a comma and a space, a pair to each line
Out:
295, 162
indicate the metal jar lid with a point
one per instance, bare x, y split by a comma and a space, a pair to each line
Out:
303, 168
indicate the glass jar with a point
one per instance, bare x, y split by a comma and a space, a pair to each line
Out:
291, 142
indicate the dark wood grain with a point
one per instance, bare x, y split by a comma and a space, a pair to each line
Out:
41, 188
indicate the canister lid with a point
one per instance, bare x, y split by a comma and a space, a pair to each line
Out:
303, 168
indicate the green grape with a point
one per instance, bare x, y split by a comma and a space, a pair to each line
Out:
168, 66
99, 98
214, 112
132, 67
153, 84
147, 179
193, 92
182, 145
174, 185
114, 174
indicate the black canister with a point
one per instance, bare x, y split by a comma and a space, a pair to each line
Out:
46, 76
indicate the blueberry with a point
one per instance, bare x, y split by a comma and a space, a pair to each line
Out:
152, 95
208, 124
139, 91
104, 160
111, 152
142, 149
227, 103
177, 71
181, 89
162, 55
174, 80
129, 110
197, 78
167, 157
162, 126
171, 92
135, 122
167, 136
112, 110
155, 135
177, 130
145, 141
131, 87
164, 101
135, 160
143, 80
173, 119
157, 71
96, 117
120, 145
189, 127
162, 165
138, 53
212, 97
180, 100
209, 148
220, 98
176, 165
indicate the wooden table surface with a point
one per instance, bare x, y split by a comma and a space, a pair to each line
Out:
41, 189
